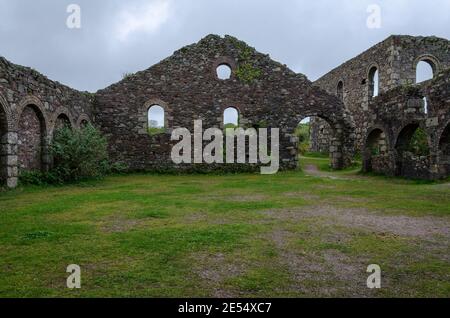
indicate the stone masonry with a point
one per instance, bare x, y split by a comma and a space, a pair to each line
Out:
265, 93
30, 107
187, 87
396, 108
396, 59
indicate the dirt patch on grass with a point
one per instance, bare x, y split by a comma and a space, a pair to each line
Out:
312, 170
214, 269
119, 224
421, 227
325, 273
236, 198
302, 195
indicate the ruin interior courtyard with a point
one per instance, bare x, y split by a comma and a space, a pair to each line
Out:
162, 229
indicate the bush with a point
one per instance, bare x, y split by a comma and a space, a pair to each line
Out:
419, 143
303, 134
35, 178
79, 154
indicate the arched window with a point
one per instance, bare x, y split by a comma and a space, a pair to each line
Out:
340, 90
156, 120
374, 81
223, 72
424, 71
231, 118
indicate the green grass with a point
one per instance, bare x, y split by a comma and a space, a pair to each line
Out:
207, 235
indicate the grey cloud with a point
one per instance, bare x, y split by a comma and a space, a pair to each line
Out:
311, 37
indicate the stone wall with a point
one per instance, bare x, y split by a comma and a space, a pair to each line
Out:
320, 135
396, 59
30, 105
265, 93
398, 113
187, 87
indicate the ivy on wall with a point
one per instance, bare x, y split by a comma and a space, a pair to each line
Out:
246, 71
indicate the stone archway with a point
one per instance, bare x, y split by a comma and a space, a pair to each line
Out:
62, 121
83, 121
31, 139
340, 145
412, 152
376, 152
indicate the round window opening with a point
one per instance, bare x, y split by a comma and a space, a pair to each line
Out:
223, 72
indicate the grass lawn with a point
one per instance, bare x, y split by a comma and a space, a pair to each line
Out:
294, 234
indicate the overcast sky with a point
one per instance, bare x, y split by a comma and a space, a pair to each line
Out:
118, 36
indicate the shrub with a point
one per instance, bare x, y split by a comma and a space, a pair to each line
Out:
419, 143
303, 134
153, 131
38, 178
79, 154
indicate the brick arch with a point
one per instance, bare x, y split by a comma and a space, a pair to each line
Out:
144, 112
332, 110
224, 60
36, 102
61, 111
226, 103
430, 59
380, 127
402, 138
81, 119
401, 129
8, 119
32, 130
376, 136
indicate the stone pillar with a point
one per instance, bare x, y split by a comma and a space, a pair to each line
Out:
11, 159
336, 154
47, 160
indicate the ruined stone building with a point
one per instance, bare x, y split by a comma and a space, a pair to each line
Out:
264, 93
379, 89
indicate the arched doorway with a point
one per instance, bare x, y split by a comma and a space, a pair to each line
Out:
62, 121
376, 152
317, 137
31, 139
412, 152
